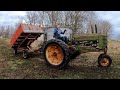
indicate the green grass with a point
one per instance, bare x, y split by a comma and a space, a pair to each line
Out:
83, 67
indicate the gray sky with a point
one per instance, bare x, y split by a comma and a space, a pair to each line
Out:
10, 17
114, 18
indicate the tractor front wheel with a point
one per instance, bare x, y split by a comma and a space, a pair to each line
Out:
104, 60
56, 53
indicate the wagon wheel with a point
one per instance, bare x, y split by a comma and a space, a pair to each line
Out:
56, 53
104, 60
25, 54
15, 51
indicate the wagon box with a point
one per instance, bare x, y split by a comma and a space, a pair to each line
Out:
25, 32
24, 36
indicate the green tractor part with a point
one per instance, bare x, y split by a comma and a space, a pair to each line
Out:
57, 53
95, 42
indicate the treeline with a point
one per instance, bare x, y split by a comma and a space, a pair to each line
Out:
6, 31
81, 22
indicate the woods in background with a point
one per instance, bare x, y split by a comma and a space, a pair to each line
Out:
81, 22
6, 31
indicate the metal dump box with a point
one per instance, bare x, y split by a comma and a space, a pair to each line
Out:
25, 35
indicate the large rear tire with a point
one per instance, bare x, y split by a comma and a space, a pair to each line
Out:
56, 53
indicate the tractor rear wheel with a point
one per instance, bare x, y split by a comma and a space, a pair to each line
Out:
104, 60
56, 53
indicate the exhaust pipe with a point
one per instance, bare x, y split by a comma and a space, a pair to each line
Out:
96, 29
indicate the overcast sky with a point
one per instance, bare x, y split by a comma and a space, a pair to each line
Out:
10, 17
114, 18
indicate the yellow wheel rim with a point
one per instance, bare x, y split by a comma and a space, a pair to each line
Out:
104, 62
54, 54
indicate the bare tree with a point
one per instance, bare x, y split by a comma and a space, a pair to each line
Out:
36, 17
91, 21
76, 20
40, 17
81, 22
54, 17
105, 27
2, 28
31, 17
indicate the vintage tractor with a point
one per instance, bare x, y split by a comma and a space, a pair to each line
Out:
57, 53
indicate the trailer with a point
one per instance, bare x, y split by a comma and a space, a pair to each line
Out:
23, 37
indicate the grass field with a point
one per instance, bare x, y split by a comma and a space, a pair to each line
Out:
83, 67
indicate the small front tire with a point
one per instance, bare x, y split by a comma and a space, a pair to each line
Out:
104, 60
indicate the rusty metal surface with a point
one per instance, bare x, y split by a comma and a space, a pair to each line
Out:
25, 28
16, 35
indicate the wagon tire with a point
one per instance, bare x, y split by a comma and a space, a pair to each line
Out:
15, 51
25, 54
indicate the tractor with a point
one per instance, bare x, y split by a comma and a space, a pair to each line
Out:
57, 53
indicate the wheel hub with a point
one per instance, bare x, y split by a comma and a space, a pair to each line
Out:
54, 54
104, 62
